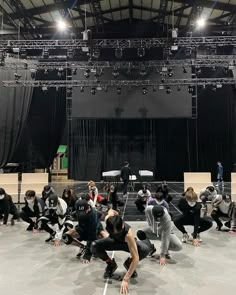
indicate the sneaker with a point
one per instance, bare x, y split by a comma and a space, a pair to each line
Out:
199, 238
12, 221
219, 227
126, 266
81, 252
227, 224
153, 250
51, 237
110, 269
30, 227
167, 256
185, 238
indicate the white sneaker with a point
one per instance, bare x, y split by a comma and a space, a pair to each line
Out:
185, 238
199, 238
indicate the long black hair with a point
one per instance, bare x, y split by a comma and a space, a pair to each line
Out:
114, 223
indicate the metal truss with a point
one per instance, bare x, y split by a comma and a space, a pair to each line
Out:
120, 83
189, 42
200, 61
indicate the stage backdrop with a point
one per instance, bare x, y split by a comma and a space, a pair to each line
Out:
132, 103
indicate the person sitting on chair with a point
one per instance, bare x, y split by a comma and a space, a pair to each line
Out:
143, 195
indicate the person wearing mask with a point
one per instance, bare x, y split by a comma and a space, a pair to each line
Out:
94, 195
207, 194
7, 207
121, 238
125, 173
191, 210
88, 229
143, 195
55, 219
223, 207
160, 227
47, 191
32, 211
70, 198
163, 188
220, 173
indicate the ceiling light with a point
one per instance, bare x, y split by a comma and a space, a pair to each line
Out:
61, 25
201, 22
144, 90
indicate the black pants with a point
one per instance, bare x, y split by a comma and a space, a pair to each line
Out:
216, 214
26, 215
140, 204
45, 221
125, 186
204, 223
99, 247
13, 211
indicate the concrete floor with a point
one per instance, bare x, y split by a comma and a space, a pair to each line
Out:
29, 266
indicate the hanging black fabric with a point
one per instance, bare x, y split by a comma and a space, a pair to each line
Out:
15, 105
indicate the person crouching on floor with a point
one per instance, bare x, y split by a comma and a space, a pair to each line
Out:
160, 227
121, 238
191, 210
32, 211
55, 221
89, 229
7, 207
143, 195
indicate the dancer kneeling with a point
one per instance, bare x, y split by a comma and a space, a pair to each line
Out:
121, 238
160, 227
88, 229
191, 209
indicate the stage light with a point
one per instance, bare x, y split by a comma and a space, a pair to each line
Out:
144, 90
141, 52
118, 91
81, 88
17, 76
168, 90
87, 35
154, 89
44, 88
87, 73
93, 90
198, 70
161, 87
61, 25
74, 71
115, 73
190, 89
174, 33
118, 52
105, 89
201, 22
33, 73
170, 72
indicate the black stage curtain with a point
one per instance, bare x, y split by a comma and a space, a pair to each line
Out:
15, 105
44, 128
168, 147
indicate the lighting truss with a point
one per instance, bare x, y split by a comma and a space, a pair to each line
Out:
120, 83
189, 42
216, 61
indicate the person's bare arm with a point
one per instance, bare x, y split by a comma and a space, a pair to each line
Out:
133, 252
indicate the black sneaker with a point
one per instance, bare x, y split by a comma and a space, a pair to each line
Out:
30, 227
227, 224
51, 237
126, 266
12, 221
110, 269
81, 252
219, 227
153, 250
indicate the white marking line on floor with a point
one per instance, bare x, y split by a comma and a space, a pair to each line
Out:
172, 203
113, 252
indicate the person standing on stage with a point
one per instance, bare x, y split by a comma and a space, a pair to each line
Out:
125, 172
220, 171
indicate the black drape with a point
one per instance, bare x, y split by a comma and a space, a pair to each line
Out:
168, 147
45, 125
15, 104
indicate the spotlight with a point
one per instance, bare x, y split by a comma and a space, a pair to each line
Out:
61, 25
96, 53
184, 70
44, 88
174, 33
178, 88
168, 90
170, 72
198, 70
118, 91
144, 90
118, 52
87, 35
141, 52
81, 88
200, 23
115, 73
45, 72
93, 90
190, 89
161, 87
87, 73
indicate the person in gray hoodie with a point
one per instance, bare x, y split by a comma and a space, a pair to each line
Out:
160, 227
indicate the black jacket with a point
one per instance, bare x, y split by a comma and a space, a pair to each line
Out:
125, 172
7, 206
37, 209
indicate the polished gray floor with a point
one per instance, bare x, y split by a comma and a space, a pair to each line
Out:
29, 266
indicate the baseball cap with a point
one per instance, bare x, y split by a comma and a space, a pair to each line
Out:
81, 207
